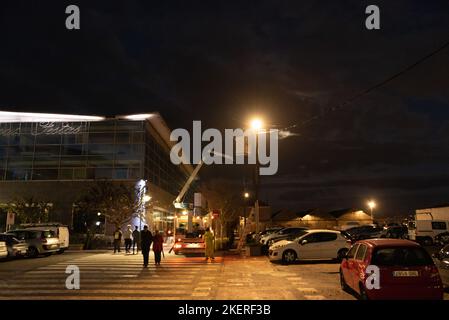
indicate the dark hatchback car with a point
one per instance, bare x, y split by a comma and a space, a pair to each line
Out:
364, 232
395, 232
442, 239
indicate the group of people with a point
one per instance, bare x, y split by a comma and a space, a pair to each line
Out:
142, 240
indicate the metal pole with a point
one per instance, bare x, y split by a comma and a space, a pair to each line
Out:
256, 205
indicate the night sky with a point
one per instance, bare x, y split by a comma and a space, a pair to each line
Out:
290, 61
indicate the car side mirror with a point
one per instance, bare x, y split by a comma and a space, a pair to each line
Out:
303, 242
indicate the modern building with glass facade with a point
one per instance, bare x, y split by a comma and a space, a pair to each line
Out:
50, 157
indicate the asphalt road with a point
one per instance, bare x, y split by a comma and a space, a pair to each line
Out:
119, 276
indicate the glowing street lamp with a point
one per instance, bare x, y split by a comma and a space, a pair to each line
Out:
371, 206
246, 195
146, 198
256, 124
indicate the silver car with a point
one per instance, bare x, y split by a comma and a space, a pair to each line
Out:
39, 242
15, 247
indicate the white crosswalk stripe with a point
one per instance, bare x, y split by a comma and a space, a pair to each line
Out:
108, 276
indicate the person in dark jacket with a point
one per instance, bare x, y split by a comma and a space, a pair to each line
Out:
158, 243
146, 238
136, 241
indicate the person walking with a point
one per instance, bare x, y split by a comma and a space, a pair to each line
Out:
117, 239
128, 235
158, 247
146, 238
209, 241
136, 239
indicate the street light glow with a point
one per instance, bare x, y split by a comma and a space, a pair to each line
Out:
371, 204
256, 124
184, 212
99, 214
246, 195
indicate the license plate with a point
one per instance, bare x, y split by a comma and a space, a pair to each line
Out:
193, 245
405, 274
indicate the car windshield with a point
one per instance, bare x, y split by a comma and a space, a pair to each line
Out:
300, 234
401, 256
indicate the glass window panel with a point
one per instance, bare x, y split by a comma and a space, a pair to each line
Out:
74, 138
18, 174
26, 139
73, 149
73, 161
48, 139
101, 137
134, 173
102, 126
4, 140
102, 173
137, 137
122, 137
101, 148
46, 162
66, 174
47, 150
45, 174
79, 173
20, 162
120, 173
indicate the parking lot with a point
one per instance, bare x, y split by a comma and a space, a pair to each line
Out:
230, 277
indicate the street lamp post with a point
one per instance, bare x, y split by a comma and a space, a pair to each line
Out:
371, 205
256, 125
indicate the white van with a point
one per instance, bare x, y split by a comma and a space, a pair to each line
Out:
429, 223
62, 231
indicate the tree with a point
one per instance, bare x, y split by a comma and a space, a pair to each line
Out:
117, 202
30, 210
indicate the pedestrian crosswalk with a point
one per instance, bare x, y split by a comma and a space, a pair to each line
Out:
117, 276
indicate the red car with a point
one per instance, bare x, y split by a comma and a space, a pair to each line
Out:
405, 271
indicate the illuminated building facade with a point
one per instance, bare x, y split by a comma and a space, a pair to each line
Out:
50, 157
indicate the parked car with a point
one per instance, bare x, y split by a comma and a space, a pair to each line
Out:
3, 250
191, 243
269, 231
442, 262
16, 248
406, 270
39, 242
62, 232
395, 232
364, 232
442, 239
311, 245
281, 235
348, 225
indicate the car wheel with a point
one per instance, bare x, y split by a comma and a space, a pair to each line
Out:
343, 283
288, 256
32, 252
341, 254
362, 294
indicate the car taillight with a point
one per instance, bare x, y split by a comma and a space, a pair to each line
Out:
177, 246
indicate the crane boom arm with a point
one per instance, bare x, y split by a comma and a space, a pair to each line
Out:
188, 182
